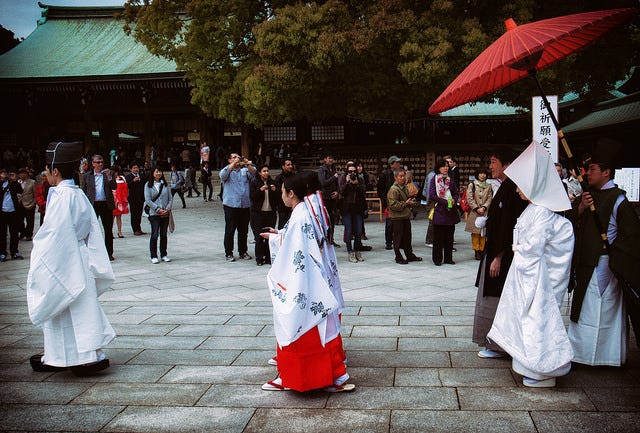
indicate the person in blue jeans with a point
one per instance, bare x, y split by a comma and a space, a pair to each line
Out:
157, 195
352, 190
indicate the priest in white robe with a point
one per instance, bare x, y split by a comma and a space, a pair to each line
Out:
69, 269
306, 297
528, 323
598, 330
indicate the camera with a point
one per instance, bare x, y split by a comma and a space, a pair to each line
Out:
353, 175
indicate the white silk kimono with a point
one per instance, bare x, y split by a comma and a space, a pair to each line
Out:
303, 280
69, 269
528, 323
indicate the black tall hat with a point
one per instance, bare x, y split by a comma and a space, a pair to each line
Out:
62, 152
606, 152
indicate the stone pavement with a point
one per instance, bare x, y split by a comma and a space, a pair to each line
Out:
194, 336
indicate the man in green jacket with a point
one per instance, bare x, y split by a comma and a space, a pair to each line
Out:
400, 205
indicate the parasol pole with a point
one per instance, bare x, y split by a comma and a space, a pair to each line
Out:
572, 159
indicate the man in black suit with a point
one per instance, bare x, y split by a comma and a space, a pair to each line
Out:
99, 190
135, 182
9, 215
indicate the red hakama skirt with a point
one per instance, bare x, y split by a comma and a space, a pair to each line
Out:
306, 365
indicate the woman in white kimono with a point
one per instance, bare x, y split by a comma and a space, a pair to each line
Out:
69, 269
528, 323
306, 296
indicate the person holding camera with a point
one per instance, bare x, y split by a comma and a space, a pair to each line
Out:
352, 191
264, 193
400, 206
236, 203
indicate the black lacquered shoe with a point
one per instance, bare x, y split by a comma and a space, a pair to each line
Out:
37, 365
90, 369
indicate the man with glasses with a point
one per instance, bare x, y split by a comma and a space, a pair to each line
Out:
98, 188
236, 203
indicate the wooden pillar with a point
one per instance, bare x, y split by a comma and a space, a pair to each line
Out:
148, 137
246, 141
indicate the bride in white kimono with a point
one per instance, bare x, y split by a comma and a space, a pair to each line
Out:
69, 269
528, 323
306, 296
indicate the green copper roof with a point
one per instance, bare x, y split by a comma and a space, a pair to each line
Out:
606, 114
482, 109
74, 45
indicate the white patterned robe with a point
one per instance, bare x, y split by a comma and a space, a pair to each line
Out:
303, 280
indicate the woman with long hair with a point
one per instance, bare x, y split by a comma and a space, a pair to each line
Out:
158, 199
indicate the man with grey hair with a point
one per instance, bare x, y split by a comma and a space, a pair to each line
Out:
99, 190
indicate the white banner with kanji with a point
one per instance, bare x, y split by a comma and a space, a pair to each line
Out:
544, 131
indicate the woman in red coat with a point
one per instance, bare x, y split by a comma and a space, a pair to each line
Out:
121, 198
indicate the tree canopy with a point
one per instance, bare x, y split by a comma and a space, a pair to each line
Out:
269, 62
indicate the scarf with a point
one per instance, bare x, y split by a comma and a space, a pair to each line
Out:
442, 187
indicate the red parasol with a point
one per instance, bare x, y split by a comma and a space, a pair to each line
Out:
525, 49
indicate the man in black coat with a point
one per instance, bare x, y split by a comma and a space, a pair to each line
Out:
135, 182
503, 214
328, 177
99, 190
9, 215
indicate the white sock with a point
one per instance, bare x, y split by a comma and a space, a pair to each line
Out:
341, 380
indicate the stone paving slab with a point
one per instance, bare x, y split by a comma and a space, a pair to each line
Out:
185, 319
116, 373
413, 421
30, 417
240, 375
151, 342
186, 357
149, 394
217, 330
615, 399
171, 419
397, 331
316, 421
375, 397
397, 359
252, 396
41, 392
522, 398
585, 422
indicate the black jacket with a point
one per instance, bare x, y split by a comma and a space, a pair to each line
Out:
257, 196
385, 181
353, 196
328, 181
136, 189
13, 188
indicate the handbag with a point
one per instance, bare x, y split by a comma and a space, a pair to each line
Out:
431, 212
172, 223
464, 204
